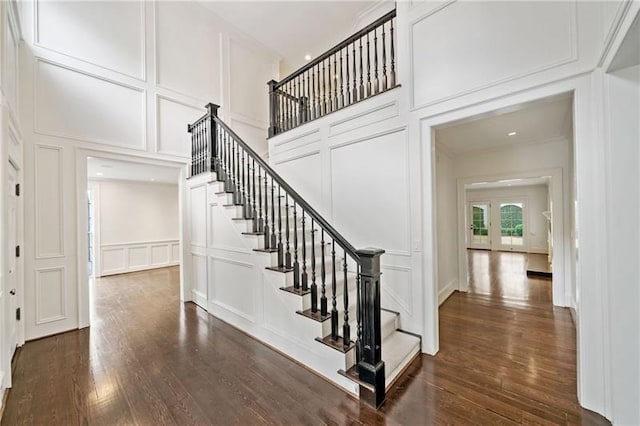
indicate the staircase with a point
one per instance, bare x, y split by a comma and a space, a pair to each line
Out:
328, 292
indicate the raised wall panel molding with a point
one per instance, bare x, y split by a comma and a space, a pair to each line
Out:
118, 258
50, 301
392, 287
87, 118
140, 75
376, 114
542, 64
307, 138
188, 118
49, 201
238, 297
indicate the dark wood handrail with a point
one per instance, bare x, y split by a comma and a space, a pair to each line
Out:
317, 217
346, 42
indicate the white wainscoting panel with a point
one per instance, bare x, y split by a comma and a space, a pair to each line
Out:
10, 69
75, 28
304, 174
253, 134
395, 289
379, 164
76, 105
186, 40
49, 211
232, 286
171, 134
138, 256
223, 235
545, 37
198, 219
160, 254
50, 295
248, 94
368, 117
199, 279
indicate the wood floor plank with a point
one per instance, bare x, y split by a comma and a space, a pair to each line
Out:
507, 356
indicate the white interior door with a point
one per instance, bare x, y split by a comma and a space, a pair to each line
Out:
479, 225
12, 282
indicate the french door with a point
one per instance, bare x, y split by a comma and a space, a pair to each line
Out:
511, 226
479, 222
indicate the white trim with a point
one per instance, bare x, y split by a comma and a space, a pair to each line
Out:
447, 291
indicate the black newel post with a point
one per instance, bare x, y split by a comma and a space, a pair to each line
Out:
212, 111
371, 366
273, 106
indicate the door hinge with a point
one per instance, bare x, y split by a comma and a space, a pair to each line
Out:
17, 189
17, 251
17, 314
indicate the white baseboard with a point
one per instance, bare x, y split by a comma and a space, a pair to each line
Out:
447, 291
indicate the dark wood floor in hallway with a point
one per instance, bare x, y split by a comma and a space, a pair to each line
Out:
148, 359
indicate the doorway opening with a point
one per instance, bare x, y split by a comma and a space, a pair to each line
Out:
132, 212
503, 185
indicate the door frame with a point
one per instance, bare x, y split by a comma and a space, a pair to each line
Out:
558, 194
82, 182
468, 226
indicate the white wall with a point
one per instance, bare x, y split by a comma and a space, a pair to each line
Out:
447, 226
120, 79
623, 232
535, 224
137, 226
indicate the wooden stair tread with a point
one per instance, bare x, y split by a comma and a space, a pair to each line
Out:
279, 269
352, 374
265, 250
336, 344
297, 291
314, 315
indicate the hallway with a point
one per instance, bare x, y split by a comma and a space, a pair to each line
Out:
147, 359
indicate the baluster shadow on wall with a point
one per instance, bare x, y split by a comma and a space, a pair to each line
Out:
327, 83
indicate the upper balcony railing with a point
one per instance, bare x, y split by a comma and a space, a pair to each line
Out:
361, 66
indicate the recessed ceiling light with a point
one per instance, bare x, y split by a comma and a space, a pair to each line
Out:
99, 174
307, 57
512, 133
152, 180
89, 158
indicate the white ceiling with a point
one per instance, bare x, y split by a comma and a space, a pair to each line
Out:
102, 168
533, 122
508, 183
293, 29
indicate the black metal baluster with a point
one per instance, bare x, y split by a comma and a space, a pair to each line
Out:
199, 149
359, 310
260, 219
280, 247
376, 83
239, 200
287, 256
329, 106
347, 98
305, 281
274, 239
254, 212
228, 185
354, 97
324, 91
368, 67
385, 82
245, 194
323, 298
346, 329
314, 113
392, 75
308, 102
361, 91
334, 303
314, 286
340, 100
266, 212
250, 194
296, 265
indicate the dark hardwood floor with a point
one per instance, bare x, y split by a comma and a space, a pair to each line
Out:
148, 359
